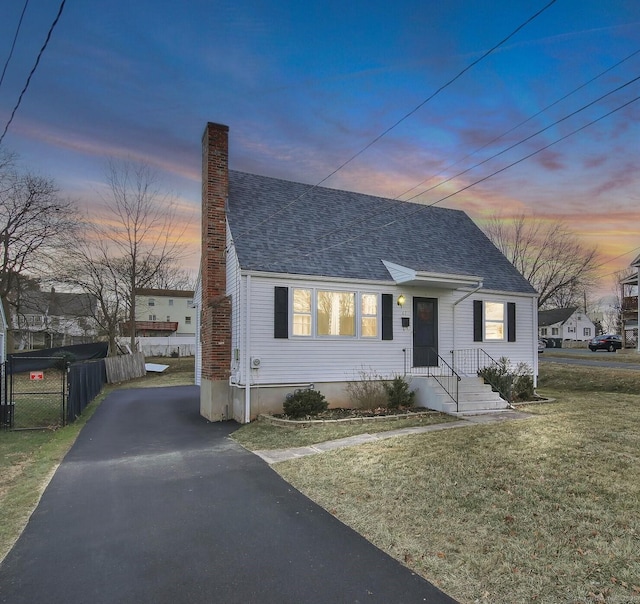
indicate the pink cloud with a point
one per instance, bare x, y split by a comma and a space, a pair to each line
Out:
550, 160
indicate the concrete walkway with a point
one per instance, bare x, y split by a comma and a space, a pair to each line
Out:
272, 456
155, 505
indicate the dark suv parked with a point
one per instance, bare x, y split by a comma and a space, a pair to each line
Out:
606, 342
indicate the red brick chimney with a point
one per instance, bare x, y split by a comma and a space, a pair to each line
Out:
216, 305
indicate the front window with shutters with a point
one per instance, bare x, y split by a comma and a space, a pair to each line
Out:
494, 321
330, 313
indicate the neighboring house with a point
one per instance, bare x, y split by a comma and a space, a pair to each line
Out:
305, 287
565, 324
630, 307
165, 312
50, 319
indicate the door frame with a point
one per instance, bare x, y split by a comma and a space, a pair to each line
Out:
428, 357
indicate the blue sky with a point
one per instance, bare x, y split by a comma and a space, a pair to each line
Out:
304, 86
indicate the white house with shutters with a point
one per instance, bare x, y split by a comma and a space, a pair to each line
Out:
565, 324
305, 287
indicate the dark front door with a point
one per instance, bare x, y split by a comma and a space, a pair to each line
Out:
425, 332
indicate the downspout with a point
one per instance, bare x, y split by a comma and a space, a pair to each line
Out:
247, 355
473, 291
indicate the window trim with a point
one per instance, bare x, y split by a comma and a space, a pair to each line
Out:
480, 321
358, 315
486, 322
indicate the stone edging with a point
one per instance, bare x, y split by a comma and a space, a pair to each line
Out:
538, 401
306, 423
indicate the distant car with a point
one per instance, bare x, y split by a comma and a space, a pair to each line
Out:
542, 344
608, 342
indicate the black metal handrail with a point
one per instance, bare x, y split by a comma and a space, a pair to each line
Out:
442, 373
468, 361
471, 361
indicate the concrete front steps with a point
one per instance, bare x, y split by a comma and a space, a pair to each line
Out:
474, 396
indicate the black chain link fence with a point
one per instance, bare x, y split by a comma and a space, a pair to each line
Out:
50, 397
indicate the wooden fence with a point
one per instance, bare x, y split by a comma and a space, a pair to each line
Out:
125, 367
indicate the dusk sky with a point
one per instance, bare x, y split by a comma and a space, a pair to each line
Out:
304, 86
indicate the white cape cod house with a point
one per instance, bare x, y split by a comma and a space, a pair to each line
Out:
306, 287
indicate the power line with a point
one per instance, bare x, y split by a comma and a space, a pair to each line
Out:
375, 215
33, 69
635, 249
524, 140
13, 44
420, 208
398, 122
522, 123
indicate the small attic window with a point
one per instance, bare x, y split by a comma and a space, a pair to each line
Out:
152, 302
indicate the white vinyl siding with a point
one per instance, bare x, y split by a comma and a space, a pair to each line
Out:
523, 350
297, 360
235, 291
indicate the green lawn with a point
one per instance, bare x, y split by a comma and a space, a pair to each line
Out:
539, 510
262, 435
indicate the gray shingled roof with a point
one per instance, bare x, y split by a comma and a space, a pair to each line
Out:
432, 239
555, 315
58, 304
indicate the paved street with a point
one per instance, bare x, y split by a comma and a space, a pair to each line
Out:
581, 356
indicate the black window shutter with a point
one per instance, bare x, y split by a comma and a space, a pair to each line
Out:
511, 321
387, 316
477, 320
281, 313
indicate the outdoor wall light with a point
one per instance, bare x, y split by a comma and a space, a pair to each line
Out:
401, 300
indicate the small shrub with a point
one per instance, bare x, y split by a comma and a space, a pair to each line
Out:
522, 389
511, 384
399, 393
175, 354
499, 377
366, 390
304, 403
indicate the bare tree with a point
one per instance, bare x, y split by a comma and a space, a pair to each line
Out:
90, 266
173, 277
140, 227
32, 219
548, 254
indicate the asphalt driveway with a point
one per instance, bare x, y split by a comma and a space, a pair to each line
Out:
154, 504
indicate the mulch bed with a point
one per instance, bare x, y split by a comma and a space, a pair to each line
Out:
335, 414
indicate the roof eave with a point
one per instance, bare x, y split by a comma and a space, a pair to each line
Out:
408, 277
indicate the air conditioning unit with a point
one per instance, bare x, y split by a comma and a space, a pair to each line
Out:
255, 362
